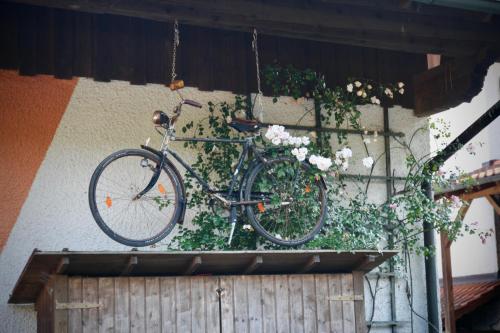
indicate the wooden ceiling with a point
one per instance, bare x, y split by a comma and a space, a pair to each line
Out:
399, 25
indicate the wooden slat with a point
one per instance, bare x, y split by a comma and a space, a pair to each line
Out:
240, 297
90, 295
167, 303
269, 320
359, 305
75, 295
130, 265
212, 304
255, 311
153, 321
309, 298
183, 304
122, 304
254, 264
60, 295
336, 310
322, 303
282, 298
198, 319
296, 303
107, 299
194, 264
137, 304
348, 306
227, 304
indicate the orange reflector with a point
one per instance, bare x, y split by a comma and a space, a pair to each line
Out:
161, 189
260, 207
308, 188
109, 202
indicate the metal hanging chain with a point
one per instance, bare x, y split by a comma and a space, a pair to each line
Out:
259, 93
174, 49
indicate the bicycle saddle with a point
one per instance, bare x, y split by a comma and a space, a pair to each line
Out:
243, 125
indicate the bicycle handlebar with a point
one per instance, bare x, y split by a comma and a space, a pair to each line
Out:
192, 103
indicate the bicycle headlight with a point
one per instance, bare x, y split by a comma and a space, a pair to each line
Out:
160, 118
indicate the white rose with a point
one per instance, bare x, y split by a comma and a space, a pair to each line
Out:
349, 87
306, 141
357, 84
345, 165
401, 91
401, 84
388, 92
324, 163
346, 152
368, 162
359, 93
313, 159
369, 87
374, 100
229, 119
276, 141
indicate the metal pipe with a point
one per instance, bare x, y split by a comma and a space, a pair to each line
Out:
433, 311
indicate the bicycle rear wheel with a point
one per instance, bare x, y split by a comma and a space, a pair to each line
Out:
290, 206
116, 208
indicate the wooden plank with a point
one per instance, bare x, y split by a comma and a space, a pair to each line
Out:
309, 299
322, 303
75, 295
167, 303
153, 321
269, 320
254, 296
64, 44
212, 317
90, 295
359, 305
122, 305
296, 304
348, 306
60, 295
282, 296
62, 265
107, 300
240, 303
198, 319
137, 304
227, 304
183, 304
336, 310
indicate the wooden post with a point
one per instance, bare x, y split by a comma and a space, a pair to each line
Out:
448, 301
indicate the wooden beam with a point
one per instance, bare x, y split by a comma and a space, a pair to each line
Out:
482, 193
62, 266
254, 264
448, 299
313, 261
193, 265
368, 259
130, 265
452, 82
369, 28
494, 203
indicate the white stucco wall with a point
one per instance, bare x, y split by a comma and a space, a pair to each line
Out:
104, 117
468, 255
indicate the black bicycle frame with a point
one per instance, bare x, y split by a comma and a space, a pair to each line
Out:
248, 146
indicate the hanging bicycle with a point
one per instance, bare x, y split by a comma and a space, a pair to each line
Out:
137, 195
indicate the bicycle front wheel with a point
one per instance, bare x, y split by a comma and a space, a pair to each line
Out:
288, 201
118, 210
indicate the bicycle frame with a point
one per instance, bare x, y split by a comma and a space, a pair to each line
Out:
248, 146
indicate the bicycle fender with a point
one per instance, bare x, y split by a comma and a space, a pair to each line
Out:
171, 165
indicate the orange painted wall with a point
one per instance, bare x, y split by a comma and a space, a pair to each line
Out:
30, 111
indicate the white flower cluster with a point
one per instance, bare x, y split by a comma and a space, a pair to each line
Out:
342, 158
368, 162
300, 153
278, 136
322, 163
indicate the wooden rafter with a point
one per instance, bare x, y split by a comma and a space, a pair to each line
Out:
360, 25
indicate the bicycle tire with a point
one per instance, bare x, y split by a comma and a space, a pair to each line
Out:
176, 182
250, 209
